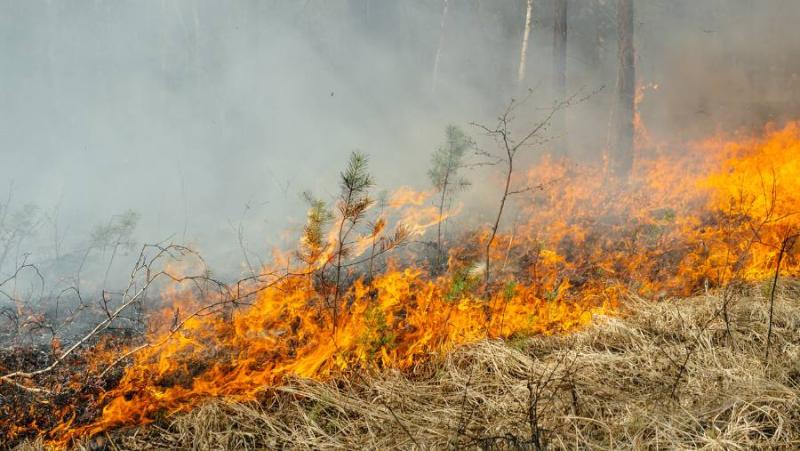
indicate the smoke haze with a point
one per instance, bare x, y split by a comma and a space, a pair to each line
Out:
208, 117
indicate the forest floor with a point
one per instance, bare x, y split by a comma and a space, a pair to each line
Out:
662, 375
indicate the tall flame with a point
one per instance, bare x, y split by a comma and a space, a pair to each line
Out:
716, 213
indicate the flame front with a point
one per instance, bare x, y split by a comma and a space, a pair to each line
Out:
717, 213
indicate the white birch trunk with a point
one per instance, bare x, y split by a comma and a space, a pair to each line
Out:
526, 35
439, 46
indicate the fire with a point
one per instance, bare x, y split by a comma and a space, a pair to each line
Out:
405, 195
642, 136
398, 319
715, 214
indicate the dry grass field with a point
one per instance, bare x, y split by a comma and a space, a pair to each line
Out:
662, 375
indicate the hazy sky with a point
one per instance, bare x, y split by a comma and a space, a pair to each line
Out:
199, 114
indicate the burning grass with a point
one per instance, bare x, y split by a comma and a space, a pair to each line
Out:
300, 338
619, 384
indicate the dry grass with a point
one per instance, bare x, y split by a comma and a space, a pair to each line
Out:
613, 386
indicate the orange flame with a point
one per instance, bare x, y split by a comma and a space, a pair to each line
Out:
714, 214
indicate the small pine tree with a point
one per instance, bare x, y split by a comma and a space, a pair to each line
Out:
354, 201
446, 162
313, 243
328, 260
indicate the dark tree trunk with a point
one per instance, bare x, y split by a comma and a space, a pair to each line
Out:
621, 153
560, 70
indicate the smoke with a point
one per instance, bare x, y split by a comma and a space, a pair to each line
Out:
209, 118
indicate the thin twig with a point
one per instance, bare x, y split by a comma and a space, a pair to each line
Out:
785, 247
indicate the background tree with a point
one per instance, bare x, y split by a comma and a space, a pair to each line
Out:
116, 234
446, 162
440, 44
621, 152
16, 225
525, 36
560, 69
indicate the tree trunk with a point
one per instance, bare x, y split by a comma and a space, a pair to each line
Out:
439, 225
621, 154
525, 36
496, 226
560, 71
440, 44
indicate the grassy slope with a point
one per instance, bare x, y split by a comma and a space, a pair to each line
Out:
611, 386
